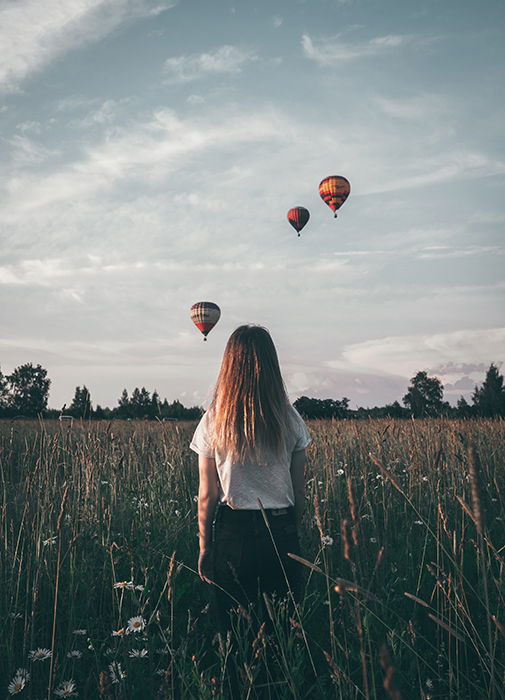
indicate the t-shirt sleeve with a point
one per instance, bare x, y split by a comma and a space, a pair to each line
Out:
302, 435
201, 438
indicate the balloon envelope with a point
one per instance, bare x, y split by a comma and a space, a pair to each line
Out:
298, 217
205, 315
334, 190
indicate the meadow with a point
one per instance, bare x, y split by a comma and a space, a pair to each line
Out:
403, 545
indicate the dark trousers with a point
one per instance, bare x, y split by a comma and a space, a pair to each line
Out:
251, 559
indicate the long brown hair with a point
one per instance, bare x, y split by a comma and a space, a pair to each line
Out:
250, 405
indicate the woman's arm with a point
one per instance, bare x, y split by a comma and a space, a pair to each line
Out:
298, 479
208, 494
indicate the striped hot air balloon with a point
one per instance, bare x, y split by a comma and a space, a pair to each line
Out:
298, 217
205, 315
334, 190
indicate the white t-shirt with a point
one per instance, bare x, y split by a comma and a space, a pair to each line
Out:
242, 484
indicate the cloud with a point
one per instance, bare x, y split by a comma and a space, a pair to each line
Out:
34, 33
147, 150
330, 51
415, 107
225, 60
277, 21
408, 354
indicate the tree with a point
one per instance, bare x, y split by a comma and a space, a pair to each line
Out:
424, 396
81, 403
464, 410
140, 403
29, 389
124, 408
489, 399
4, 393
321, 408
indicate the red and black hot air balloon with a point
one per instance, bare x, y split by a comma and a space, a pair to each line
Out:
205, 315
334, 190
298, 217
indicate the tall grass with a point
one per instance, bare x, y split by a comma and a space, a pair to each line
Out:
403, 545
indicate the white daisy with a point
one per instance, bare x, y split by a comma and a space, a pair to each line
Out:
116, 672
326, 541
18, 683
74, 654
340, 472
136, 624
80, 633
125, 584
40, 654
139, 587
51, 541
66, 689
138, 653
120, 632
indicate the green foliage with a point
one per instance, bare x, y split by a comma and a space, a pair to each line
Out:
81, 403
424, 396
489, 399
28, 390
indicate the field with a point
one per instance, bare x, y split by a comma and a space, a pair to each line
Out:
404, 576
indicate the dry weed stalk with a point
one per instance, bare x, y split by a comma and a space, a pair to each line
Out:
389, 674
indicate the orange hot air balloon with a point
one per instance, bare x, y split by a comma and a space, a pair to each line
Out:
205, 315
334, 190
298, 217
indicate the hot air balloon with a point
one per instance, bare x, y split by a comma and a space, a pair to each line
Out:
298, 217
334, 190
205, 315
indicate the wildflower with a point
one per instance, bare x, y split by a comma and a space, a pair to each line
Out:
340, 472
40, 654
136, 624
424, 478
373, 540
418, 522
429, 683
138, 653
66, 689
326, 541
80, 633
139, 587
195, 498
119, 633
109, 651
51, 541
366, 516
104, 483
319, 483
125, 584
74, 654
18, 683
177, 513
116, 672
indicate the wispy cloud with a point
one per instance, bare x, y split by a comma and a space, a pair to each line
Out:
150, 149
410, 353
415, 107
33, 33
331, 50
227, 59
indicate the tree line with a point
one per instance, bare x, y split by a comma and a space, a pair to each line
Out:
424, 399
25, 393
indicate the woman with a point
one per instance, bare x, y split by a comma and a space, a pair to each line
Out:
251, 446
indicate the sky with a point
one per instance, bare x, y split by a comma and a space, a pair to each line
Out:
149, 153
